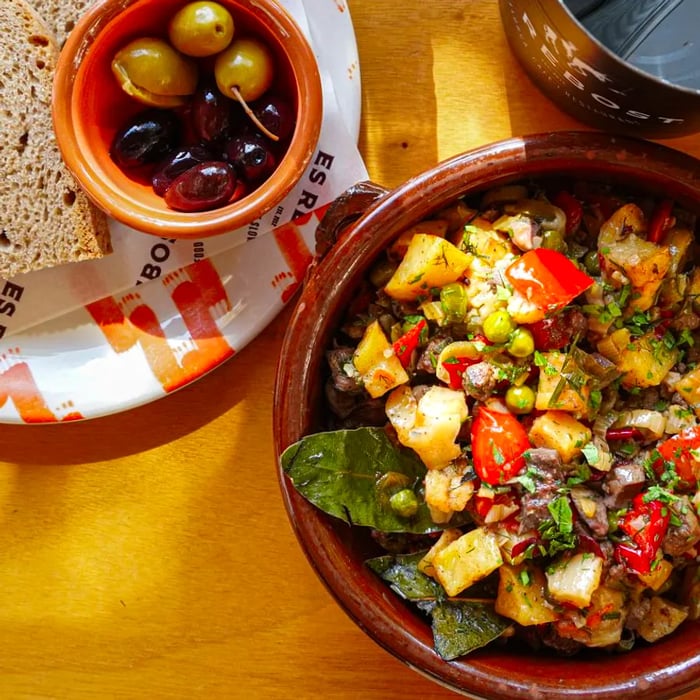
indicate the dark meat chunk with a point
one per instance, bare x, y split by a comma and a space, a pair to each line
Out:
545, 464
683, 530
353, 410
480, 380
624, 481
590, 507
545, 461
427, 362
339, 360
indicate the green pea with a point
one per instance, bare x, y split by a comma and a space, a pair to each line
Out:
591, 262
522, 343
404, 503
498, 326
554, 241
520, 399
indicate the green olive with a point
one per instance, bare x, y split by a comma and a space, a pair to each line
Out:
498, 326
554, 240
153, 72
404, 503
522, 343
244, 70
520, 399
201, 29
591, 262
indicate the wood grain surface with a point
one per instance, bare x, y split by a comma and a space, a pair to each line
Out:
147, 554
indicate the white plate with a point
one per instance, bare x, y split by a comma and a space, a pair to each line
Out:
140, 345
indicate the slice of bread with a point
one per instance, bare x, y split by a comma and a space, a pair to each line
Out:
45, 218
61, 15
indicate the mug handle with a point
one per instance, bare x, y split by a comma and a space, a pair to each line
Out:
343, 211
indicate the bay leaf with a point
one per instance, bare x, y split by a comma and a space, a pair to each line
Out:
351, 474
462, 626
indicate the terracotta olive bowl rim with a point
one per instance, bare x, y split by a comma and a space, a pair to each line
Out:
126, 207
664, 670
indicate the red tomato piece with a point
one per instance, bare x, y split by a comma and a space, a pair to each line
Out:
683, 451
498, 443
547, 278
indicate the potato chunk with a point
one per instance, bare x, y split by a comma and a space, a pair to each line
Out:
376, 362
430, 261
522, 595
688, 387
430, 425
467, 560
560, 431
662, 619
574, 579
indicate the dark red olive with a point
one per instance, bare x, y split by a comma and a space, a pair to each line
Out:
146, 138
176, 163
275, 114
204, 186
251, 156
211, 112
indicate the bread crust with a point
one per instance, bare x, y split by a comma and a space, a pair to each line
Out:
45, 218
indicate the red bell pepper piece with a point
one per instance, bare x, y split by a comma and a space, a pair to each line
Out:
547, 278
455, 368
661, 221
683, 451
498, 443
646, 524
408, 342
572, 208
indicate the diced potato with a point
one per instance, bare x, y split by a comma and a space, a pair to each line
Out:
643, 263
662, 619
574, 579
430, 227
658, 575
606, 616
376, 362
562, 385
447, 536
642, 362
467, 560
689, 389
560, 431
446, 490
429, 426
430, 261
522, 595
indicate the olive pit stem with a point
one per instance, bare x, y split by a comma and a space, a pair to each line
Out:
237, 94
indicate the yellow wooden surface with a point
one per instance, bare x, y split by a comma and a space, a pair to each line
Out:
147, 554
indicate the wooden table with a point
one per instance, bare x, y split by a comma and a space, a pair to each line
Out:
147, 554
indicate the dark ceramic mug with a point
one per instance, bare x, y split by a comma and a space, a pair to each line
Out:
569, 61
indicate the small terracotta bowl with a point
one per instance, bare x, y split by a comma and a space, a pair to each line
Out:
335, 550
89, 107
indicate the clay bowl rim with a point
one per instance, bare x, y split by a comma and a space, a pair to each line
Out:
663, 670
128, 209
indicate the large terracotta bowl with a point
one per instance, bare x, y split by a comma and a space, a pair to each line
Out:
336, 551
